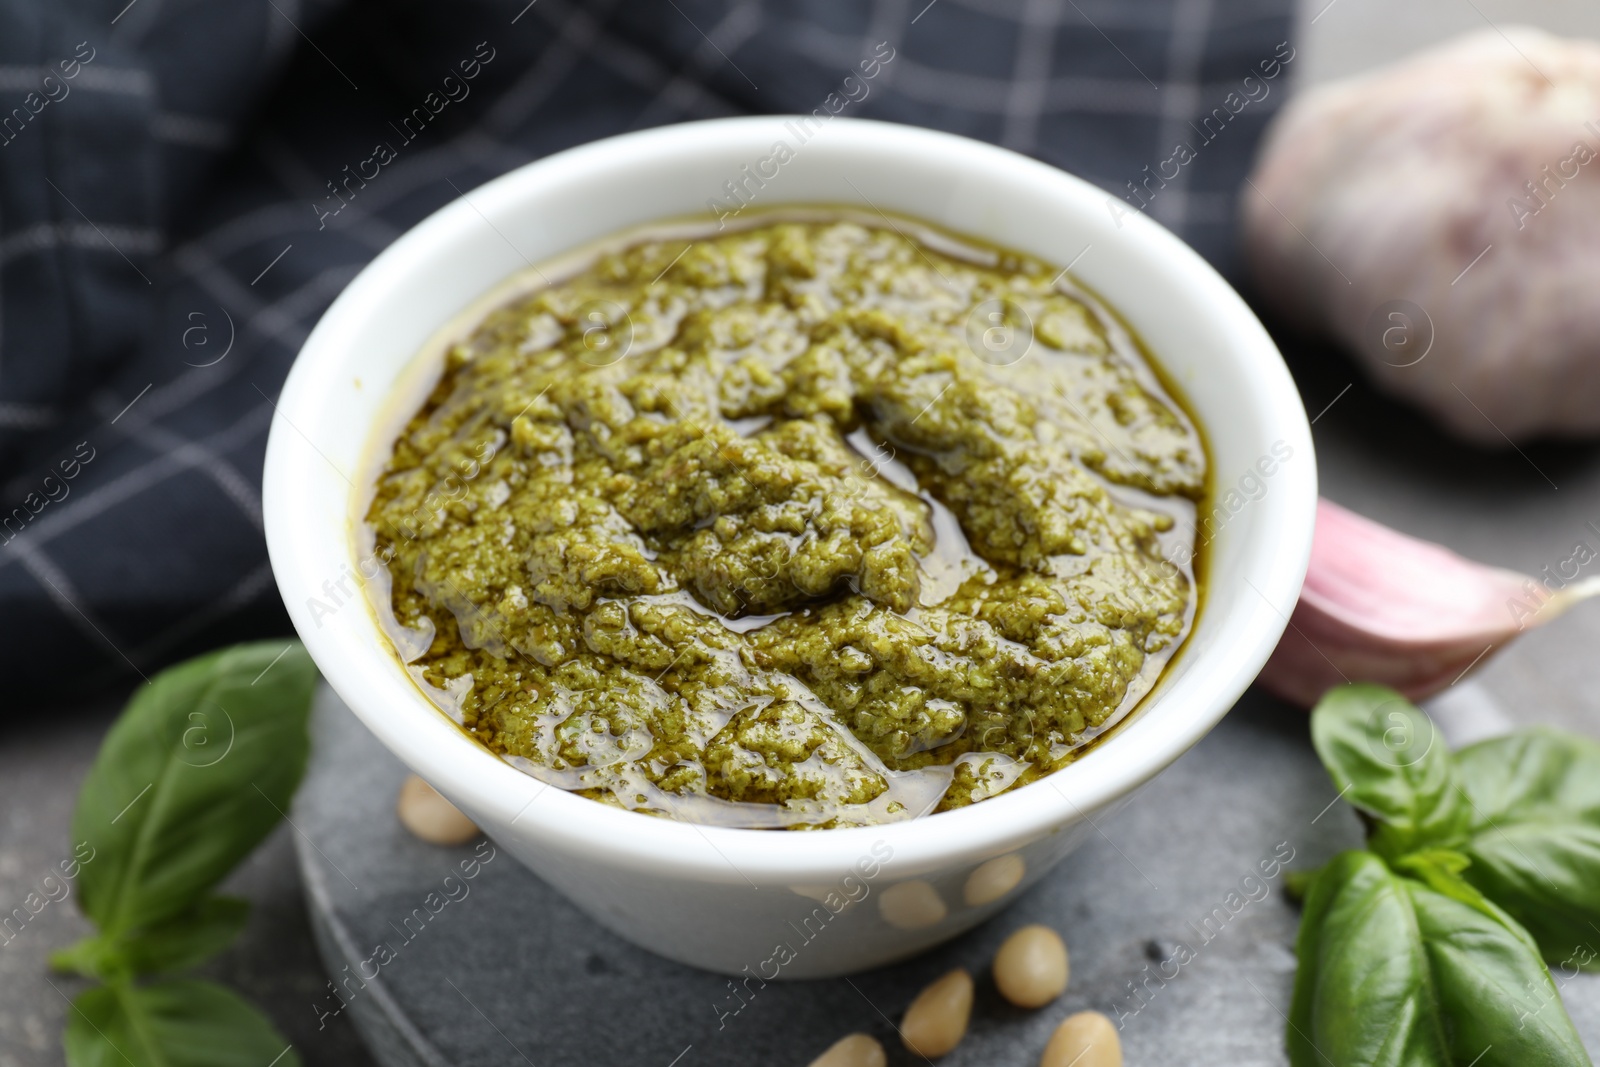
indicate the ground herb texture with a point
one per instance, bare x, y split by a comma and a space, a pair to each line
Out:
814, 524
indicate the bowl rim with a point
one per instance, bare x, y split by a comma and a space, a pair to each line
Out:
499, 796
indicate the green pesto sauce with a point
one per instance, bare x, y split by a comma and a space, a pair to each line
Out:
809, 525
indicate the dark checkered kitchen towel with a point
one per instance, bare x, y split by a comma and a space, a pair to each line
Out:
167, 234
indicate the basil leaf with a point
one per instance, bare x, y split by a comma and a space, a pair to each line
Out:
1357, 985
188, 939
195, 772
1396, 974
1535, 839
185, 1023
174, 945
1388, 760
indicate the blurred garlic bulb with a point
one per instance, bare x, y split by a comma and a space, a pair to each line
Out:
1378, 606
1441, 217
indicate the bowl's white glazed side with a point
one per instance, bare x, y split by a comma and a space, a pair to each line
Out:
703, 894
828, 936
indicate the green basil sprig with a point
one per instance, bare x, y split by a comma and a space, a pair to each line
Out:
1535, 844
178, 1023
1388, 760
1430, 947
197, 770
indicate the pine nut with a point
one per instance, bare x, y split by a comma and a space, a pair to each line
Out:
856, 1050
1031, 967
937, 1020
1087, 1039
428, 815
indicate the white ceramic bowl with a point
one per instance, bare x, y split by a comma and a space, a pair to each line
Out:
750, 901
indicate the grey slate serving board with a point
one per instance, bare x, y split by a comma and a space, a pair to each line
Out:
511, 973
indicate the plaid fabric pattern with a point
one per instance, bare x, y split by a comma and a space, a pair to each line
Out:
185, 185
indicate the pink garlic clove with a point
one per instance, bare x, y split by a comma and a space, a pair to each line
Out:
1378, 606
